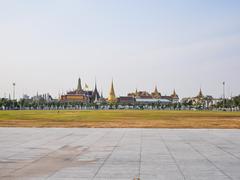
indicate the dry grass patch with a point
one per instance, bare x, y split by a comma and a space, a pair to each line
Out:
121, 119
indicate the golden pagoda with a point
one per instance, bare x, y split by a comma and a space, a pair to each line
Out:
112, 97
156, 94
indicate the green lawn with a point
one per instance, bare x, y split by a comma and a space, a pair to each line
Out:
121, 118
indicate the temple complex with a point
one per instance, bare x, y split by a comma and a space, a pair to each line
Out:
200, 100
138, 97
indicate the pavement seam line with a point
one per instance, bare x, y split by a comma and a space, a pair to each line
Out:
174, 159
140, 155
209, 160
105, 160
89, 146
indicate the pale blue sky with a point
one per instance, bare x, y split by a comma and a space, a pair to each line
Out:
46, 45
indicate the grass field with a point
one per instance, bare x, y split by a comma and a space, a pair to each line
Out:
121, 118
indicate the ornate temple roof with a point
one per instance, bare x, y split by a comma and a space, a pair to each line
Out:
156, 94
79, 89
174, 94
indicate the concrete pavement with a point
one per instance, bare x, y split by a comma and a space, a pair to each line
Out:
119, 154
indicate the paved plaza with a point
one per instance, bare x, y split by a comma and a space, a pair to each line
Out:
119, 154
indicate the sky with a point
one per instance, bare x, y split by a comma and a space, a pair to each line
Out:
45, 46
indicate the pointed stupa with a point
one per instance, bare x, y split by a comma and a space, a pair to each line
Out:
95, 92
95, 86
79, 87
200, 94
112, 96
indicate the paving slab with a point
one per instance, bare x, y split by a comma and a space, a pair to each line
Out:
119, 154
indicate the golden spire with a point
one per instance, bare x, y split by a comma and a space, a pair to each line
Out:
156, 94
112, 96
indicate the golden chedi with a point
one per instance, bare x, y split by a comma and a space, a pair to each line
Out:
112, 97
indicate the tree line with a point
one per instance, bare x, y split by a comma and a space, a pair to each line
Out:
8, 104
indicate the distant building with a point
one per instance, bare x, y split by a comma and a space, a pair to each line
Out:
143, 97
101, 99
41, 97
80, 95
173, 98
200, 100
142, 101
126, 100
26, 97
140, 94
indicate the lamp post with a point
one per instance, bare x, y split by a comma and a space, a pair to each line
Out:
223, 94
14, 84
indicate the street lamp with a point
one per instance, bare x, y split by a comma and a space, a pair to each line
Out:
14, 84
223, 94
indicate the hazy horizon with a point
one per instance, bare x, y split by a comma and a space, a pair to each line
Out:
184, 45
